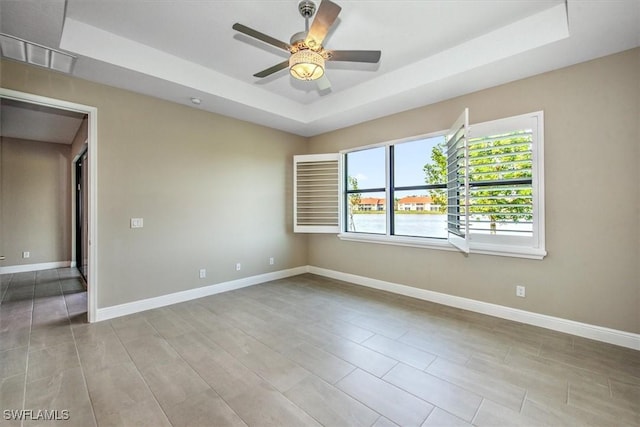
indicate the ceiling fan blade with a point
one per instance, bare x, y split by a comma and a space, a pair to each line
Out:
325, 17
371, 56
261, 36
323, 83
271, 70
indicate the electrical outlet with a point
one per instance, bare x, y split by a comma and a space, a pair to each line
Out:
238, 266
26, 254
271, 261
520, 291
137, 223
203, 273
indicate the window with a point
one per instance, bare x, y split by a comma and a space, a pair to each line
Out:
419, 209
477, 187
366, 191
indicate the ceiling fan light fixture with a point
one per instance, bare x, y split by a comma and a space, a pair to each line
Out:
306, 65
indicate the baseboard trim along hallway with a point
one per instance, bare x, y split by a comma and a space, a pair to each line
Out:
24, 268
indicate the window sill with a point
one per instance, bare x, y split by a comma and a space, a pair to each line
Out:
443, 245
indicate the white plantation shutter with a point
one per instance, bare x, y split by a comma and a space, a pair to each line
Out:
458, 183
316, 198
506, 179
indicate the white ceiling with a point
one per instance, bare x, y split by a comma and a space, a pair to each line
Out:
431, 50
38, 123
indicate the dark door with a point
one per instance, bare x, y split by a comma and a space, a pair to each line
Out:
82, 220
2, 257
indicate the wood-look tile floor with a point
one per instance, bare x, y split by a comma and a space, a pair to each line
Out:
300, 351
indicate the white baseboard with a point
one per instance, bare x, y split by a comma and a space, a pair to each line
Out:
599, 333
10, 269
177, 297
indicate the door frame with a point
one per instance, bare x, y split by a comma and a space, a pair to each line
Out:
92, 151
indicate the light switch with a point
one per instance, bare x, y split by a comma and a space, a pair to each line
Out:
137, 223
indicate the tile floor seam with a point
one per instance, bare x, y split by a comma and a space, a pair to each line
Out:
456, 416
4, 291
431, 363
272, 349
345, 376
360, 401
389, 370
506, 356
524, 399
384, 354
475, 415
376, 421
82, 370
435, 376
430, 412
473, 391
205, 381
328, 351
282, 393
435, 354
346, 338
539, 352
254, 372
142, 376
26, 369
374, 332
359, 367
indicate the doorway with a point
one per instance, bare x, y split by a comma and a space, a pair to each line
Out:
2, 256
88, 225
81, 217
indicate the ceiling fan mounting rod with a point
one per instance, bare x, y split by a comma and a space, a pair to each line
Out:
306, 8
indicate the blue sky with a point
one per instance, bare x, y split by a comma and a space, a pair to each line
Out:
368, 166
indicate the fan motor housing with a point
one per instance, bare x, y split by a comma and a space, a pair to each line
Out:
298, 37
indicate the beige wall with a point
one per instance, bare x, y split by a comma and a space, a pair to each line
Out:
592, 153
195, 177
36, 201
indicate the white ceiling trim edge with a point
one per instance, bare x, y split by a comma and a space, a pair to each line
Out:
534, 31
101, 45
537, 30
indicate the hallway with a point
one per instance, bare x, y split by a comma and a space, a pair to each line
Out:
37, 312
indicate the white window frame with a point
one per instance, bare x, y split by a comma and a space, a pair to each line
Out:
532, 248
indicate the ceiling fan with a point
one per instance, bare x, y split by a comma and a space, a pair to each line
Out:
308, 55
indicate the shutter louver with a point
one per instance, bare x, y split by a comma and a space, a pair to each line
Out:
316, 193
500, 177
458, 183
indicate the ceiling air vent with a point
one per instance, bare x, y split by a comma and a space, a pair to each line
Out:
32, 53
